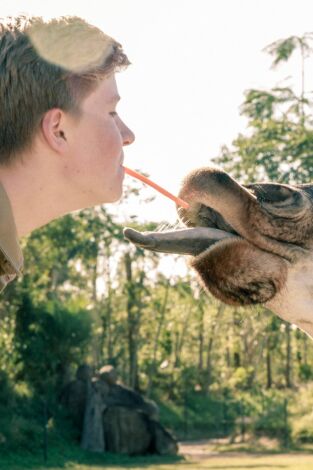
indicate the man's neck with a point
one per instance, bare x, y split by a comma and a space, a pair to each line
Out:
35, 193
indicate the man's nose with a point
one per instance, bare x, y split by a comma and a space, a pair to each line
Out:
128, 136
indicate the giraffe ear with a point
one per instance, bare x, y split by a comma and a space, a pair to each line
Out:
279, 200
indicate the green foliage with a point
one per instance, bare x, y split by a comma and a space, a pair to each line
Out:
302, 431
49, 337
5, 389
282, 49
305, 372
242, 378
199, 416
279, 143
18, 424
302, 415
272, 421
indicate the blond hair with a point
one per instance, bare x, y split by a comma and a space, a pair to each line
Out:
45, 65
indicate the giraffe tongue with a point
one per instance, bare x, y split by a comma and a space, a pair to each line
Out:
190, 241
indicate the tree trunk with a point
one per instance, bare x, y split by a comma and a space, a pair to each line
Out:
180, 339
133, 320
152, 370
228, 359
94, 278
176, 350
268, 366
305, 349
237, 360
209, 362
201, 337
215, 323
106, 315
288, 370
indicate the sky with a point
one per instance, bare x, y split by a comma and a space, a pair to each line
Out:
192, 61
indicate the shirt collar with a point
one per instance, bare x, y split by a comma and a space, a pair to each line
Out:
9, 244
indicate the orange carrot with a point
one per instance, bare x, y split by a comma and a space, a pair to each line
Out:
163, 191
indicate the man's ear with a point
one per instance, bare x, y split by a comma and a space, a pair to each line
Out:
53, 129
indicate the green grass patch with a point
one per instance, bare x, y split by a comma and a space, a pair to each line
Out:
74, 457
236, 462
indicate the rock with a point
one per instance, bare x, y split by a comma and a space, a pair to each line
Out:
74, 396
92, 435
152, 409
119, 395
112, 417
126, 431
84, 373
163, 442
108, 374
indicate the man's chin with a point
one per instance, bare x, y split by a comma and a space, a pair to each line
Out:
115, 199
116, 192
114, 196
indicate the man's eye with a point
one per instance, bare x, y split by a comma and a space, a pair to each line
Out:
113, 113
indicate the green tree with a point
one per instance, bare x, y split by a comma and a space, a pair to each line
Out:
279, 143
49, 339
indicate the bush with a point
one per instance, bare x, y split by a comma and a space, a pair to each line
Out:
242, 378
273, 424
269, 415
302, 415
6, 389
23, 434
305, 372
22, 426
49, 337
199, 416
302, 431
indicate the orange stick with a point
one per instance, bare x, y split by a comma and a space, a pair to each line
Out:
163, 191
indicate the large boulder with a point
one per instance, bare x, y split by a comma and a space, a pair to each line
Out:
126, 431
112, 417
163, 442
119, 395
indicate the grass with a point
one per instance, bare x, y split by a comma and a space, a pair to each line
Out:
239, 463
201, 455
231, 462
77, 458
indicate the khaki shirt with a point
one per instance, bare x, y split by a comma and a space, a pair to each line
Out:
11, 256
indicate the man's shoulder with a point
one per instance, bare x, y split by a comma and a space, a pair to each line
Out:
11, 256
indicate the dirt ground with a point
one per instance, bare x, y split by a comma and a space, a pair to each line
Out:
206, 448
201, 449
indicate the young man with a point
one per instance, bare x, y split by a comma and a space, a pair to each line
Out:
61, 139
